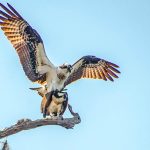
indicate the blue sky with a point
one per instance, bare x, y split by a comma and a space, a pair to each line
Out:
115, 116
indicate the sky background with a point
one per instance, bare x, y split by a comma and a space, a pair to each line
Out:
115, 116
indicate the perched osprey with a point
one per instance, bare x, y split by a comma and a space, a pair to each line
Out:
56, 106
38, 67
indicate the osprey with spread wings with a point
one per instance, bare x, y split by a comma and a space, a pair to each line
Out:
38, 67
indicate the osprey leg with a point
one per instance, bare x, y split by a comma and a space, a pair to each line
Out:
48, 97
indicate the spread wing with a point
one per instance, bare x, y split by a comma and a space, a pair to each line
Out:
25, 40
92, 67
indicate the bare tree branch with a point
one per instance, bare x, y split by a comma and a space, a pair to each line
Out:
27, 124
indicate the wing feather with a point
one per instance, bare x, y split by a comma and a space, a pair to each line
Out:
93, 73
24, 39
14, 11
102, 73
92, 67
98, 74
90, 74
113, 69
7, 10
107, 75
111, 73
84, 72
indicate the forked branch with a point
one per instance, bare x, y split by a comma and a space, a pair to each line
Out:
27, 124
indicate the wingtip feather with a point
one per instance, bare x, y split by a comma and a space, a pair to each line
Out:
112, 64
114, 69
7, 10
2, 18
14, 11
1, 5
112, 74
9, 5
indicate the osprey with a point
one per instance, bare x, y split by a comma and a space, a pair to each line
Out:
57, 104
38, 67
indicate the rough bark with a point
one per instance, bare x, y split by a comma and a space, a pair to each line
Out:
27, 124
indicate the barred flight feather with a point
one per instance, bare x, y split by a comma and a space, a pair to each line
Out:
24, 39
93, 67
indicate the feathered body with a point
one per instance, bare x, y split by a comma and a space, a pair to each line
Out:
56, 106
38, 67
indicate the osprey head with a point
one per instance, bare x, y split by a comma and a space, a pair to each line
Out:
66, 67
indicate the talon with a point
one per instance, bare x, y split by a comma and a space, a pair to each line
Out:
60, 117
54, 117
48, 117
44, 115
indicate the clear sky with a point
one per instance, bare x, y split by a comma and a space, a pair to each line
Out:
115, 116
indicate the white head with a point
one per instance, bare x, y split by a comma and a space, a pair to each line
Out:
66, 67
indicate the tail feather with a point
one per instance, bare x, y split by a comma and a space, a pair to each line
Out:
39, 90
35, 89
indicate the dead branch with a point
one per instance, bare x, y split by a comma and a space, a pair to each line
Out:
27, 124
